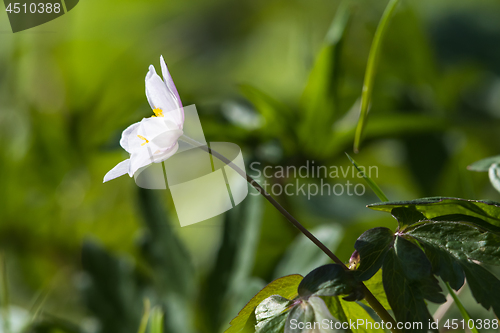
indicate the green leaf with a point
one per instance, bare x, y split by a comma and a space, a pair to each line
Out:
376, 286
271, 314
494, 174
378, 192
344, 311
408, 280
461, 239
334, 305
285, 287
371, 69
463, 311
330, 280
320, 96
450, 257
407, 215
372, 247
485, 287
301, 313
432, 208
484, 164
445, 265
355, 312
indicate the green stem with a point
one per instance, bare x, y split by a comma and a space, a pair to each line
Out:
460, 306
377, 190
370, 71
370, 298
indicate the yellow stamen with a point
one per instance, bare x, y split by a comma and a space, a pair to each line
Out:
143, 138
158, 112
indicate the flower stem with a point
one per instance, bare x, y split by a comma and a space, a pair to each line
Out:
370, 298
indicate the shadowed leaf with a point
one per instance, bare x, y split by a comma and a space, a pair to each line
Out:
408, 280
330, 280
372, 247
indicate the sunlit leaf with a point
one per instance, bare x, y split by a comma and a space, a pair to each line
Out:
453, 208
285, 287
301, 313
376, 287
271, 314
356, 313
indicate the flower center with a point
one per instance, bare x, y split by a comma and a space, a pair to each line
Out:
158, 112
143, 138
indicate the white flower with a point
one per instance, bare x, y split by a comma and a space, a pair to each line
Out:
154, 139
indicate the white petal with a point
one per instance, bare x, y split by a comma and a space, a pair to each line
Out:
147, 156
152, 127
166, 153
167, 139
120, 169
126, 134
139, 159
160, 97
170, 83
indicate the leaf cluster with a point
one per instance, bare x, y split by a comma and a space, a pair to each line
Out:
449, 238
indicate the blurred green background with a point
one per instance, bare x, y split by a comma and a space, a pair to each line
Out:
81, 256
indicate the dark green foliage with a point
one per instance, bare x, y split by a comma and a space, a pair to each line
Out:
407, 215
408, 281
372, 246
446, 237
463, 240
330, 280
